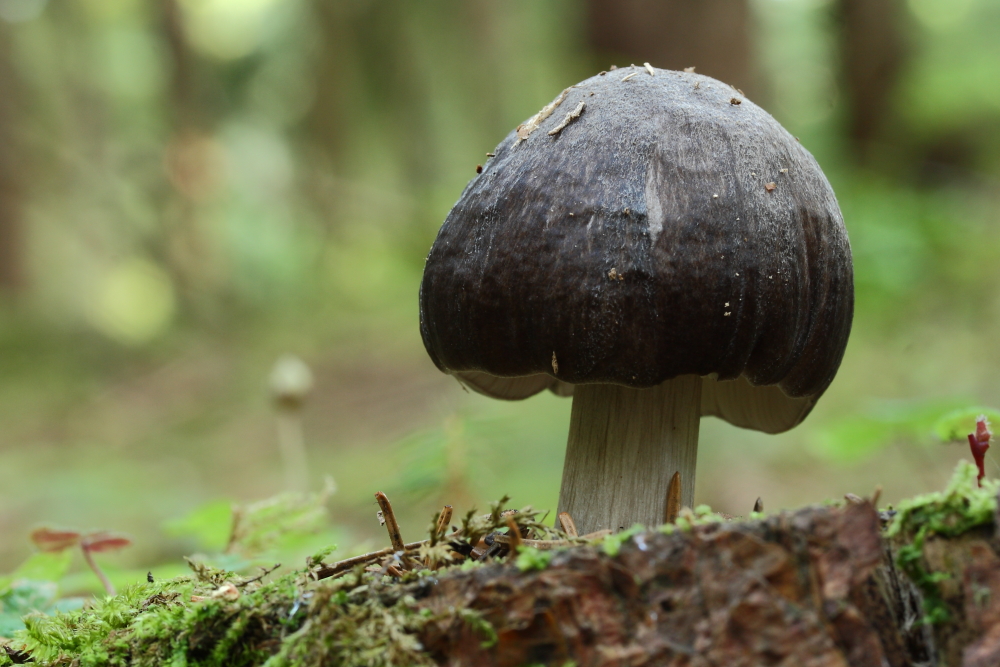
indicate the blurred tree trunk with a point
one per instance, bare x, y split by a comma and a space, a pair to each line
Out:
710, 35
11, 187
872, 57
192, 162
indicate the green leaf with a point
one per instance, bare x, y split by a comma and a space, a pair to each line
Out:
44, 566
208, 524
955, 425
919, 422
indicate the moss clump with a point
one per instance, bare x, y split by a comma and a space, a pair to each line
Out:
529, 558
960, 508
215, 618
202, 620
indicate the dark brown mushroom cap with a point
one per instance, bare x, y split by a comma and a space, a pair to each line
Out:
647, 226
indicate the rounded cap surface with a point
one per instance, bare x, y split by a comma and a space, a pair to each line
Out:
645, 225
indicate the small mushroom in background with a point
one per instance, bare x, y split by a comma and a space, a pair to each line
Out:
290, 384
637, 261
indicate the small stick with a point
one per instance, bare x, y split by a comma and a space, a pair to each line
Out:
346, 564
443, 521
556, 544
758, 505
264, 571
627, 77
570, 117
525, 129
649, 68
566, 521
390, 522
513, 533
876, 495
853, 499
596, 535
673, 505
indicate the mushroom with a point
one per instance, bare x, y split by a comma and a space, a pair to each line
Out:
657, 252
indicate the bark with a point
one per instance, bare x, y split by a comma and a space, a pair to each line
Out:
815, 588
872, 57
11, 185
711, 35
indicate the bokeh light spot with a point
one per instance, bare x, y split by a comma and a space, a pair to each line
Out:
135, 302
941, 14
19, 11
227, 29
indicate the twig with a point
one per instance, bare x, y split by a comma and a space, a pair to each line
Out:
649, 68
543, 545
264, 572
514, 533
626, 78
342, 566
566, 521
758, 505
444, 520
525, 129
390, 522
876, 495
570, 117
673, 504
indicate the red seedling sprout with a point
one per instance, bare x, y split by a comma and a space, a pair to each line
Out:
51, 540
979, 442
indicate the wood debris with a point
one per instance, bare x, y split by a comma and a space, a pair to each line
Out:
494, 536
570, 117
791, 590
673, 502
566, 521
649, 68
525, 129
390, 522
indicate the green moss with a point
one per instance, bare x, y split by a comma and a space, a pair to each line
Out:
362, 618
529, 558
613, 543
478, 623
291, 620
961, 507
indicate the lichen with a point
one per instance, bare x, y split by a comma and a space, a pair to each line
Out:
960, 508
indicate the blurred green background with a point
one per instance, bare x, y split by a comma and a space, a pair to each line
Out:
190, 189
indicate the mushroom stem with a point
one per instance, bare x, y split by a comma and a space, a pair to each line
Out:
624, 446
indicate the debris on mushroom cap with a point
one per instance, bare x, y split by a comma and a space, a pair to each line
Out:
522, 263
